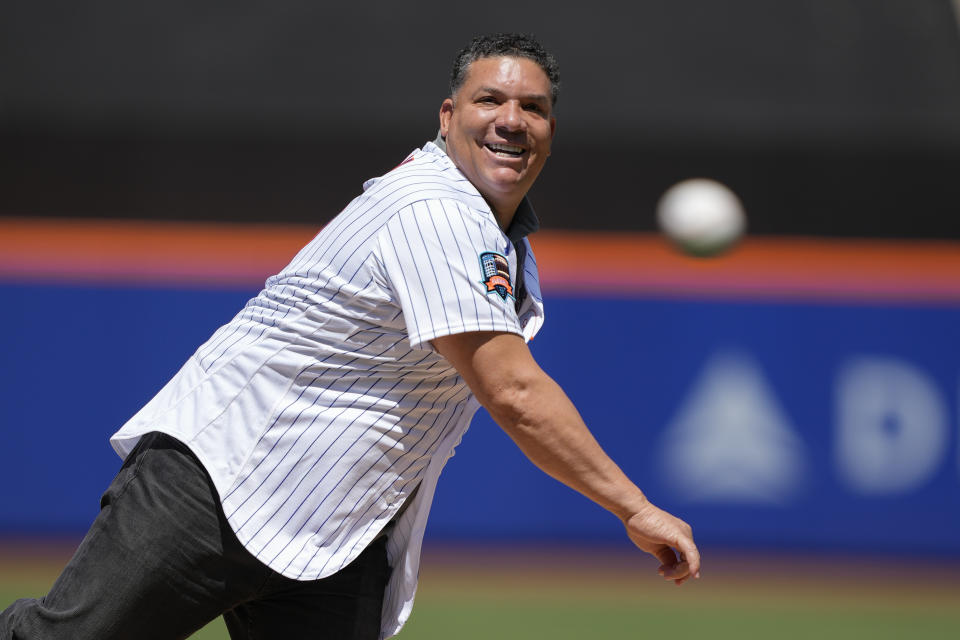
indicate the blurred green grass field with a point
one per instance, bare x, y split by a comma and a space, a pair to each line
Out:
564, 594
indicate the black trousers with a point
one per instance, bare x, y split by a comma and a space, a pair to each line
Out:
160, 562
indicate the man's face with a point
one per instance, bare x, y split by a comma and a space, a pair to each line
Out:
498, 128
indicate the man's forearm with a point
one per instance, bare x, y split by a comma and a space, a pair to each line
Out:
540, 418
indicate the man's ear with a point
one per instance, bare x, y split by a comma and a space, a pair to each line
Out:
446, 112
553, 132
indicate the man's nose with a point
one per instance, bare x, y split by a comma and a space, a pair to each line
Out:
510, 116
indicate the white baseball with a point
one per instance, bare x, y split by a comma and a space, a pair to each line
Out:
701, 216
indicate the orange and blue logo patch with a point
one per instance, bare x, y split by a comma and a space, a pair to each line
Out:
496, 274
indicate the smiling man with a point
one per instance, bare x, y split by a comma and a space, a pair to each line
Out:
284, 476
498, 125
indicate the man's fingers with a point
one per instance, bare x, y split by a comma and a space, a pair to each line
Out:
666, 556
677, 571
682, 568
689, 553
672, 567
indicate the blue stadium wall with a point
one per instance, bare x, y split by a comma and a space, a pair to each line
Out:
779, 424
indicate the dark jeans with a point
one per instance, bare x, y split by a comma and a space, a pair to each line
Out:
160, 561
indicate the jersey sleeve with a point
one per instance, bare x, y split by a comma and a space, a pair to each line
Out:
450, 270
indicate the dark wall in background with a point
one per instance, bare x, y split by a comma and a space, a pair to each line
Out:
829, 117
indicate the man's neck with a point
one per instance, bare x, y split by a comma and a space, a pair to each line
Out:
504, 220
521, 212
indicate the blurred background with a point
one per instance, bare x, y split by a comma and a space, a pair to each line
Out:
797, 399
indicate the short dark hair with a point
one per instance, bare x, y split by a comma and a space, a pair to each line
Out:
517, 45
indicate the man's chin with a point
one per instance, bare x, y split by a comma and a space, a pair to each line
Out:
504, 188
507, 178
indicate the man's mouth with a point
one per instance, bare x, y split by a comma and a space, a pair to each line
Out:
505, 150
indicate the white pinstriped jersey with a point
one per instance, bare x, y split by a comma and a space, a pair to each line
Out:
321, 406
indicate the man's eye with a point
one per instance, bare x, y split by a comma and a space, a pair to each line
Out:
487, 100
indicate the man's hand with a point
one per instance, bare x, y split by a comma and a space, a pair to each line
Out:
669, 539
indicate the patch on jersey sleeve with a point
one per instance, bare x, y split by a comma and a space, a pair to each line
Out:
496, 274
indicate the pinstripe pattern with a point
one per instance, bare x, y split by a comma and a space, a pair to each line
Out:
321, 406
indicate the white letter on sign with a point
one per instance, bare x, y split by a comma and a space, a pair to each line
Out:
891, 426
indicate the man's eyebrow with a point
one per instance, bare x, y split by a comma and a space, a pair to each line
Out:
538, 97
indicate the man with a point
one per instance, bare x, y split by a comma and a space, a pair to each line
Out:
283, 477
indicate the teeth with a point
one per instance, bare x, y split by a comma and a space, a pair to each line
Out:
506, 148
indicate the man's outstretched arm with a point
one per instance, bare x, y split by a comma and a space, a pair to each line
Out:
542, 421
